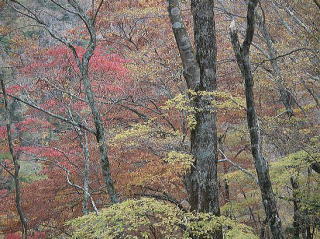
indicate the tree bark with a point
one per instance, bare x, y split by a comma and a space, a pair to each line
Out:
317, 3
100, 131
16, 164
200, 75
86, 171
296, 212
262, 168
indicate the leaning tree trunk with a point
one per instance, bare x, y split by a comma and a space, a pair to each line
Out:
285, 95
15, 160
262, 168
100, 131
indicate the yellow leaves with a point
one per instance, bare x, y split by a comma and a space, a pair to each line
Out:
4, 30
145, 217
203, 225
180, 102
178, 162
137, 130
148, 131
306, 107
191, 121
149, 70
140, 12
131, 218
220, 100
174, 157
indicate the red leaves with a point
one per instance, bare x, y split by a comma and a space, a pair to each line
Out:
3, 192
13, 236
3, 132
40, 151
49, 104
62, 58
32, 122
13, 89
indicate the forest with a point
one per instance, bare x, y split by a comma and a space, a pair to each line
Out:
160, 119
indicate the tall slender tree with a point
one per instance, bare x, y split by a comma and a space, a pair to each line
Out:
15, 161
243, 59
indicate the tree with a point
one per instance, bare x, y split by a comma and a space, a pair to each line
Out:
262, 168
83, 65
15, 160
200, 75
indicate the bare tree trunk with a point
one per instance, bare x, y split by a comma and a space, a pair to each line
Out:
296, 212
15, 160
204, 193
317, 3
86, 174
262, 168
100, 131
200, 74
285, 95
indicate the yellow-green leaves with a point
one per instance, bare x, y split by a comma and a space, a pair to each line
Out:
185, 103
147, 218
173, 157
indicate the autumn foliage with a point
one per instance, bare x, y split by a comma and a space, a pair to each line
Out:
149, 116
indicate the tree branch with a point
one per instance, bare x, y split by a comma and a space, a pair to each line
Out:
226, 159
52, 114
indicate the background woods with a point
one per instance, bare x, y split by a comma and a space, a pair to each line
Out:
159, 119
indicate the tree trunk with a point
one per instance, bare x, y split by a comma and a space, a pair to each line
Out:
86, 170
100, 131
262, 168
204, 193
285, 95
200, 74
296, 213
16, 164
83, 64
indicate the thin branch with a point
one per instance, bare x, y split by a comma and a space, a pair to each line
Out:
97, 11
258, 64
52, 114
7, 169
73, 184
226, 159
63, 7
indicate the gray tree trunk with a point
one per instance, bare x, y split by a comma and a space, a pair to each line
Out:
200, 74
100, 130
15, 160
296, 211
285, 95
86, 172
262, 168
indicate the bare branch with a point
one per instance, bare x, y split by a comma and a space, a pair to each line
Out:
226, 159
97, 12
51, 114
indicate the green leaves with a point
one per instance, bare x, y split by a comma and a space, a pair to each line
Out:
148, 217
